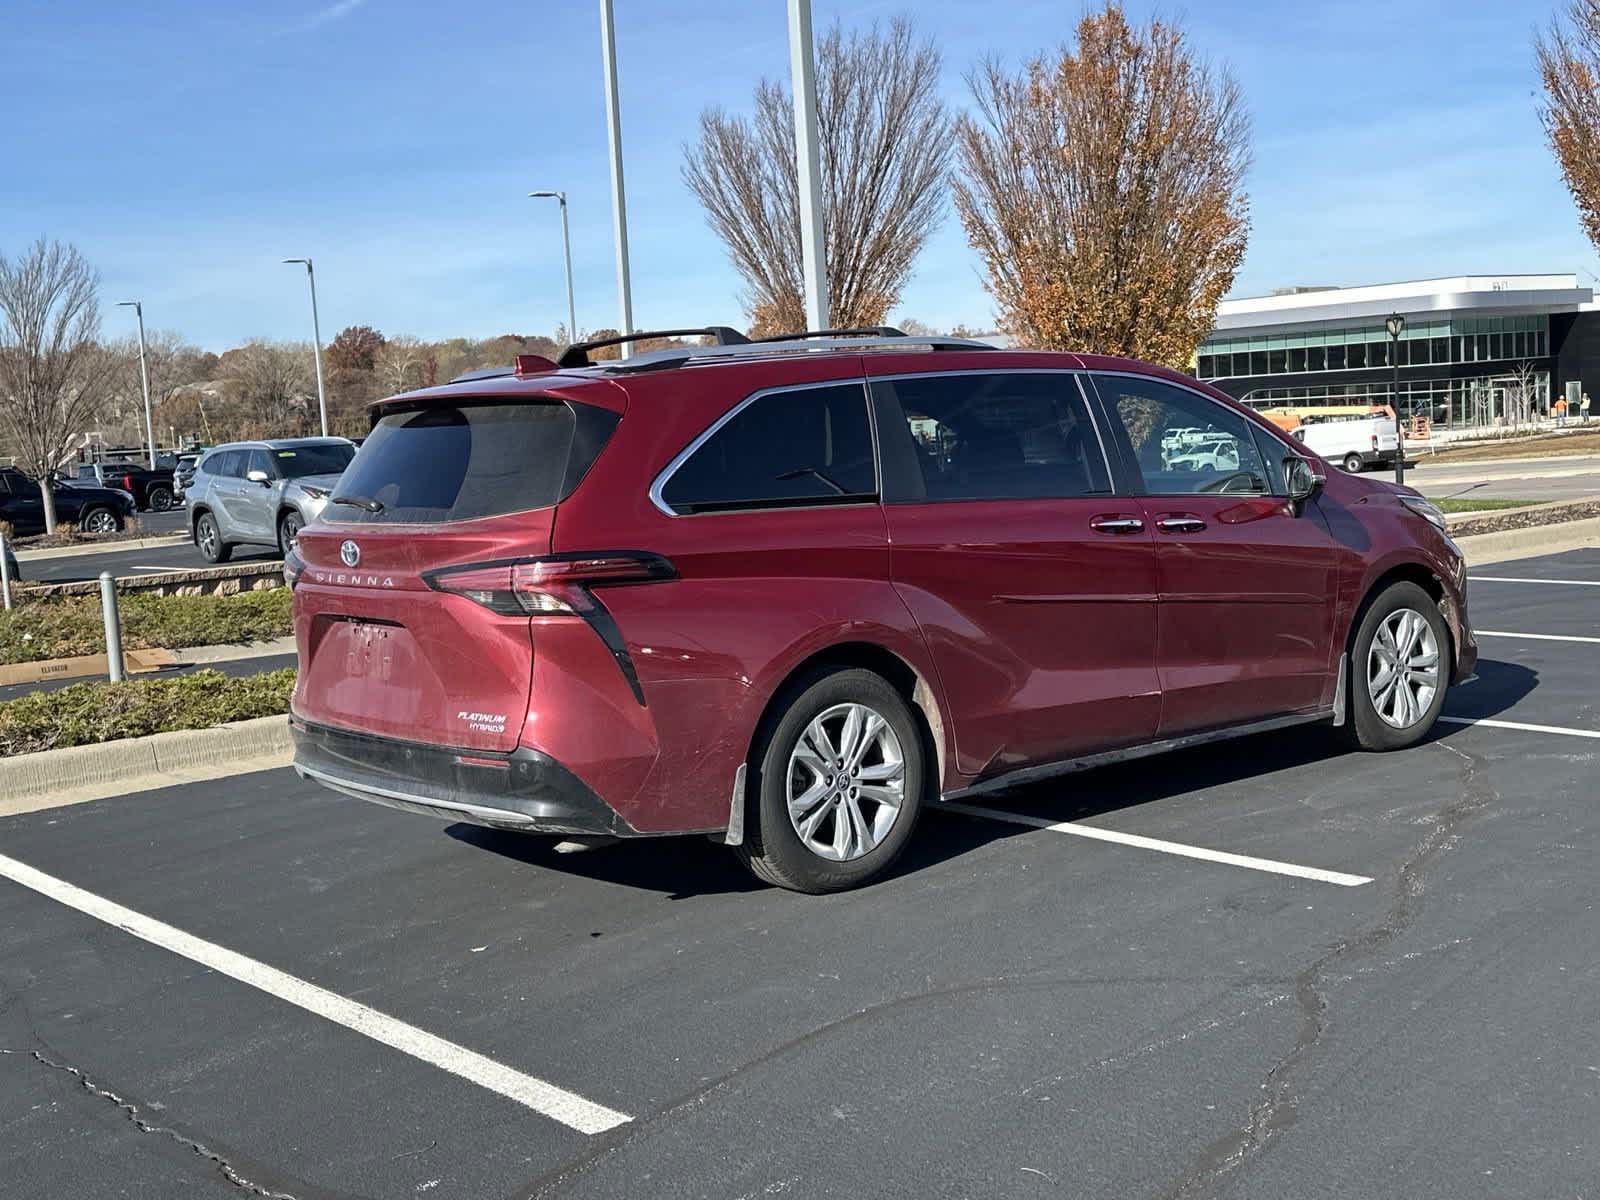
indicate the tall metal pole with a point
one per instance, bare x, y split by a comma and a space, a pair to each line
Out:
1396, 328
813, 249
619, 203
566, 250
316, 341
144, 380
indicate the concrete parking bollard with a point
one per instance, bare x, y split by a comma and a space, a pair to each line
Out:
108, 612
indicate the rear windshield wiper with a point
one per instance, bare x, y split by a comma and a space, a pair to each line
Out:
366, 502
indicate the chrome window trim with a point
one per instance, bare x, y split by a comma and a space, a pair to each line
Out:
664, 476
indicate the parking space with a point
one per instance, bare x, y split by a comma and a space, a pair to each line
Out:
1155, 1009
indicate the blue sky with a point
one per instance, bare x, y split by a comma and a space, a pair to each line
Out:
187, 145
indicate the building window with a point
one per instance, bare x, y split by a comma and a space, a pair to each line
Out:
1441, 350
1277, 362
1335, 358
1316, 358
1258, 362
1495, 349
1355, 355
1297, 360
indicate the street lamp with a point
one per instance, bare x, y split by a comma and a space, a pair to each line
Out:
619, 201
803, 80
1396, 325
566, 249
144, 380
316, 341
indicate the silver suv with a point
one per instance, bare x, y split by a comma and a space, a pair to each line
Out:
262, 493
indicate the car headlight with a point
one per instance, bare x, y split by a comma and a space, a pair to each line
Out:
1425, 509
315, 493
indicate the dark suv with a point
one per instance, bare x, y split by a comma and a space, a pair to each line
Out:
93, 509
787, 593
152, 488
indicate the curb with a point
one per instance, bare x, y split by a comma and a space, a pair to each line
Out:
1511, 544
1553, 507
149, 543
80, 773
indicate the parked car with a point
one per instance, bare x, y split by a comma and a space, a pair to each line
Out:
183, 475
151, 489
92, 509
261, 493
788, 593
1218, 452
1355, 443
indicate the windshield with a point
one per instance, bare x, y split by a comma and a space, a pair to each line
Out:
297, 461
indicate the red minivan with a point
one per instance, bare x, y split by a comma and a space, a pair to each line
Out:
787, 593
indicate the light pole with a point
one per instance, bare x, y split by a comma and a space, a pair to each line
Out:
619, 203
144, 380
316, 341
566, 249
1396, 325
813, 249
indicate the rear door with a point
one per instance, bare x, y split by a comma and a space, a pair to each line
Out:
1033, 584
226, 470
1246, 578
450, 484
21, 505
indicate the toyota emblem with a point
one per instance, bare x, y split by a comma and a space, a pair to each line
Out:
349, 553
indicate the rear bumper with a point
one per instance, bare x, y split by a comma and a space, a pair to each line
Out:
523, 790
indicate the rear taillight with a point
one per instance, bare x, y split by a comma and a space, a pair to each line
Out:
555, 584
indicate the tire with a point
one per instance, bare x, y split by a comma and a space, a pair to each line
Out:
99, 520
208, 537
1388, 720
1352, 463
159, 498
289, 527
859, 842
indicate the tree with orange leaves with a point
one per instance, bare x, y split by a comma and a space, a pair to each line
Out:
1104, 191
1568, 54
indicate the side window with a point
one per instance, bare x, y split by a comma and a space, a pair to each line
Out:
989, 436
225, 464
259, 460
800, 447
1182, 442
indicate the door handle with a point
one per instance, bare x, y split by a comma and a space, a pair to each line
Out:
1180, 524
1116, 525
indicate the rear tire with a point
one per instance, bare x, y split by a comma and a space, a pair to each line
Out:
208, 537
1352, 463
1402, 626
159, 497
837, 783
100, 520
289, 527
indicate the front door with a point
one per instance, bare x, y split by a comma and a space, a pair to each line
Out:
1034, 586
21, 505
1247, 579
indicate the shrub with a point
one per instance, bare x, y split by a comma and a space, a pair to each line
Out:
70, 625
84, 713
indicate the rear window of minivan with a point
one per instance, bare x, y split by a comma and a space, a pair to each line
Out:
459, 462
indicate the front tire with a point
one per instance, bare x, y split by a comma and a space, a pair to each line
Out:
838, 784
1399, 669
100, 520
289, 527
1352, 463
208, 537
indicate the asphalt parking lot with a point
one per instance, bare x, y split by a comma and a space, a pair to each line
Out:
1263, 969
148, 560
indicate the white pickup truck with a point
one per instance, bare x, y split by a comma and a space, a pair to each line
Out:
1355, 443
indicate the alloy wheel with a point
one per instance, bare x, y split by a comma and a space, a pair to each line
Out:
100, 521
846, 782
1403, 668
208, 537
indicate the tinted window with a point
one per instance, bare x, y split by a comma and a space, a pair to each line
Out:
458, 463
224, 463
806, 446
257, 460
296, 461
1182, 442
991, 436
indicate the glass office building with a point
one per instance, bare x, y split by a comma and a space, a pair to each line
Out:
1475, 351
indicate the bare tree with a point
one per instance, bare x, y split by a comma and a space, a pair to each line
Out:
399, 364
1568, 54
884, 134
1104, 190
273, 387
1522, 394
51, 364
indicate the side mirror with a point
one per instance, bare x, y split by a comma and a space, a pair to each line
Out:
258, 476
1302, 481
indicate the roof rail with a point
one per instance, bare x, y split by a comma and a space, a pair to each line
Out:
881, 331
657, 360
577, 354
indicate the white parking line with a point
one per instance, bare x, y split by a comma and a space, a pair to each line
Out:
1536, 637
1522, 725
1178, 848
547, 1099
1509, 579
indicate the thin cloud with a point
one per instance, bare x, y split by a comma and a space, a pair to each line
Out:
334, 12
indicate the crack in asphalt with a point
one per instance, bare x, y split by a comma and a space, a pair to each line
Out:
131, 1111
1277, 1111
